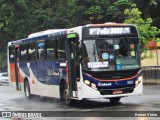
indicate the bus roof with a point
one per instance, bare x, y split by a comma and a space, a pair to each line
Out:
39, 36
109, 24
57, 32
45, 32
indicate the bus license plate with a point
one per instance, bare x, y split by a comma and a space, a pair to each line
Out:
117, 92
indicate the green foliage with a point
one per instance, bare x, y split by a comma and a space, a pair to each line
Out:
94, 13
21, 15
19, 18
116, 11
94, 10
146, 30
3, 62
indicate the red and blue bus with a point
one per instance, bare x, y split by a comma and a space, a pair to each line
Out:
85, 62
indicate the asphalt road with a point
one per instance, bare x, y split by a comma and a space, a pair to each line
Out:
149, 101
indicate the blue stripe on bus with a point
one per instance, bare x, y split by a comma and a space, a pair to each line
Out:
111, 84
46, 72
24, 68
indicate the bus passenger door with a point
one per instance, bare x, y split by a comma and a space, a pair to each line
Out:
73, 64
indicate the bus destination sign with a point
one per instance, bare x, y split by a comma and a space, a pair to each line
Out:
109, 31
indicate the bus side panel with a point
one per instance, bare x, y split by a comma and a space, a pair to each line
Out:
12, 73
41, 72
23, 71
46, 78
33, 78
33, 70
24, 68
12, 76
52, 73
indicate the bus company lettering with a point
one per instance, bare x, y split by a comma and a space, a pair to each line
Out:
104, 84
130, 82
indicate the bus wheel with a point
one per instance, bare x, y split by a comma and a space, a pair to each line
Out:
64, 95
115, 99
27, 90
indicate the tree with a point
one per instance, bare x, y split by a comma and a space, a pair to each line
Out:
94, 13
115, 12
146, 30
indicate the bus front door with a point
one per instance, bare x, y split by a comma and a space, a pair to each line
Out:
73, 64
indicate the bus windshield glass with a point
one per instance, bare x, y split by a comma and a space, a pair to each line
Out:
108, 54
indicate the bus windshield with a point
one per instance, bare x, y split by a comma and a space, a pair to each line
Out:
108, 54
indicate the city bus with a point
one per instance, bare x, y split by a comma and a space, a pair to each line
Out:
95, 61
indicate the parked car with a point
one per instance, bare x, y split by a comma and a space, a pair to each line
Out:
4, 78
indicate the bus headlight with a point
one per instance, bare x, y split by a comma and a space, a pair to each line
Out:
90, 84
140, 78
87, 82
93, 86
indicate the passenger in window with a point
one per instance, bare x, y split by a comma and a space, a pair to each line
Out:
50, 54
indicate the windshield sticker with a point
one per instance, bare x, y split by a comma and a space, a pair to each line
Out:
130, 66
98, 64
105, 56
116, 47
119, 67
118, 61
111, 57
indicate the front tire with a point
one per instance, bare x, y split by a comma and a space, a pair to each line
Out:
27, 90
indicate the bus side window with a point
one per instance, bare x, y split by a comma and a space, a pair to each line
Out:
40, 51
61, 48
31, 52
11, 54
23, 52
50, 49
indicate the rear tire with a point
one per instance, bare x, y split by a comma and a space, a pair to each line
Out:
27, 90
115, 99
